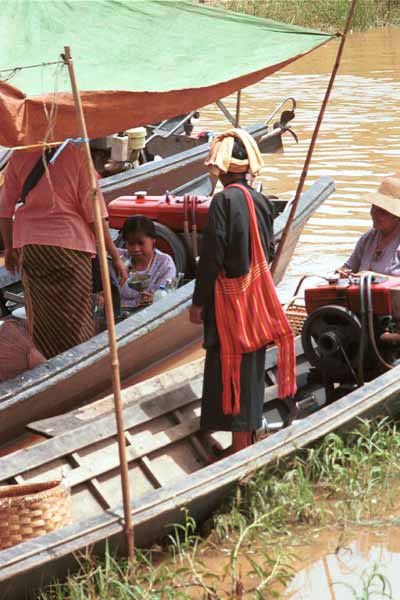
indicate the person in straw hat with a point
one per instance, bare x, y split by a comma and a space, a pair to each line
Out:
233, 392
378, 249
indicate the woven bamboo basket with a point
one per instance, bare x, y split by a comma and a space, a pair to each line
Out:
296, 314
32, 509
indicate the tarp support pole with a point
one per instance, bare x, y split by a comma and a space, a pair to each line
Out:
237, 116
108, 309
171, 131
303, 176
226, 112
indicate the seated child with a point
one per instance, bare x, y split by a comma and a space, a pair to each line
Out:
139, 235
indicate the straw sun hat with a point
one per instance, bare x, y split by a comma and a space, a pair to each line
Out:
387, 196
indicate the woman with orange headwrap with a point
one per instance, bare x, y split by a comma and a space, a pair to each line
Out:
234, 378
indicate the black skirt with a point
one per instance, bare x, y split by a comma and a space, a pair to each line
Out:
252, 385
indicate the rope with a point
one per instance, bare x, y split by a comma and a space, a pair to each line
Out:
37, 146
46, 145
51, 120
14, 70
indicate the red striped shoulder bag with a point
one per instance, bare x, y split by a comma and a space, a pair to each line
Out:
249, 316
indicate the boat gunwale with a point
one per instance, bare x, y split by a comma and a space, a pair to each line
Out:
257, 129
171, 306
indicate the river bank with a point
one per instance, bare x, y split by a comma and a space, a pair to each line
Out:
329, 15
257, 541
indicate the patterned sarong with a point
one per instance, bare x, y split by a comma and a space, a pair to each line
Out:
58, 292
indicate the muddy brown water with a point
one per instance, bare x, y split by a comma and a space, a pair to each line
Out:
359, 142
334, 564
333, 569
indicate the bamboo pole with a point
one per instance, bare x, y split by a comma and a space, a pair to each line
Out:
303, 176
108, 309
237, 114
329, 578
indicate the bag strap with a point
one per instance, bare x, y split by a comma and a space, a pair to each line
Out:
36, 172
257, 250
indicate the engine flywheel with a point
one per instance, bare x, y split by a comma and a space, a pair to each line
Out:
328, 333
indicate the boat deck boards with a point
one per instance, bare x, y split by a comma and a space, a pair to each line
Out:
161, 417
160, 444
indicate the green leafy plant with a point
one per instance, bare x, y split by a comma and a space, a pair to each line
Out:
374, 585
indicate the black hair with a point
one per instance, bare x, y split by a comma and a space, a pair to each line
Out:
239, 151
138, 224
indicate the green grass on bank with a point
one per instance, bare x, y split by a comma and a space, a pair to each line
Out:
329, 15
247, 549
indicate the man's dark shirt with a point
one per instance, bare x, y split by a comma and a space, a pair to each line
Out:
226, 244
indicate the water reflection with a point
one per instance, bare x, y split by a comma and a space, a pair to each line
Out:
341, 574
359, 141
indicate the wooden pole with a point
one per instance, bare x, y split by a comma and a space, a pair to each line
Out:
303, 176
108, 309
237, 115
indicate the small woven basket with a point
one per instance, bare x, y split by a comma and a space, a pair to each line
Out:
296, 314
32, 509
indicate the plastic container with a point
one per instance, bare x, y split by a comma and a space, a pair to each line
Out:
119, 148
136, 138
160, 293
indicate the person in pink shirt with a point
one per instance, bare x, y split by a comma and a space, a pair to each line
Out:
50, 237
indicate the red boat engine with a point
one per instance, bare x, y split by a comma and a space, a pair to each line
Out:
350, 334
179, 221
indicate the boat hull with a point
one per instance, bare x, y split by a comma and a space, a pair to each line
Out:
81, 373
171, 173
35, 563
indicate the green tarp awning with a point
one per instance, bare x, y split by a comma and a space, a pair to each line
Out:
136, 61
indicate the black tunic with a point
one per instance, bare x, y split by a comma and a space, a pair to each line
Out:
226, 244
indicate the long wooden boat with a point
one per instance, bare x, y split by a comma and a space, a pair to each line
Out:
167, 463
82, 373
183, 170
177, 170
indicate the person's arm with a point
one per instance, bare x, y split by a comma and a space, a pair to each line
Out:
113, 251
85, 195
211, 258
118, 264
130, 297
269, 212
9, 196
271, 249
6, 225
353, 263
165, 271
11, 256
